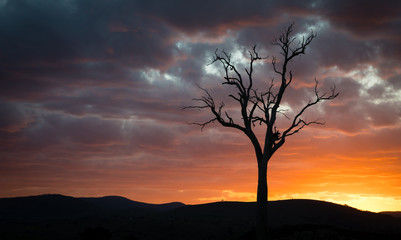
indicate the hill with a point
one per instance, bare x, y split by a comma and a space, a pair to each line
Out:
117, 203
394, 214
56, 206
113, 217
45, 206
301, 215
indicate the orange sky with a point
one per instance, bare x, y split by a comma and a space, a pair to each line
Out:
91, 99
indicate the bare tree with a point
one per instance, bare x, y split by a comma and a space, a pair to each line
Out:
262, 108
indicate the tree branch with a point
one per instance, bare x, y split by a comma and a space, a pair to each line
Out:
298, 123
262, 107
208, 102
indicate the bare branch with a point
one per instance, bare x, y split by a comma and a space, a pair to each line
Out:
228, 66
254, 55
235, 98
282, 112
208, 102
202, 125
284, 41
298, 123
274, 61
262, 107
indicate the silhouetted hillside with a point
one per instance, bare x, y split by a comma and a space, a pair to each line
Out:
298, 212
117, 203
45, 206
62, 217
51, 206
394, 214
292, 212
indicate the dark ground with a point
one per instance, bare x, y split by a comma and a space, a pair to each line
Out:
58, 217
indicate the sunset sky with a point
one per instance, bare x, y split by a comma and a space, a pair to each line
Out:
91, 97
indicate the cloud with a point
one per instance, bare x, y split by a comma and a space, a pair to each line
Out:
362, 18
91, 91
74, 30
14, 117
395, 81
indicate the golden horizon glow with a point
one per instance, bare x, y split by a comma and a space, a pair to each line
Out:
358, 201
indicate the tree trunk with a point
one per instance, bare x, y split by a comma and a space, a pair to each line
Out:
262, 232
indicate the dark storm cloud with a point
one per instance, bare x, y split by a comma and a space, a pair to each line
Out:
13, 118
47, 31
363, 18
209, 16
37, 82
336, 49
356, 112
122, 103
60, 136
373, 22
50, 47
88, 57
395, 81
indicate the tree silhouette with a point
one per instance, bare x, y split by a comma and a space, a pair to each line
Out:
262, 108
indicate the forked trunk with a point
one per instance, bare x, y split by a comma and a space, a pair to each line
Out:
262, 232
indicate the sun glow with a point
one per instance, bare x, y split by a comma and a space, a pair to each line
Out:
364, 202
374, 203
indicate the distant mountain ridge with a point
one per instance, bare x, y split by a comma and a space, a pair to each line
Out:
59, 206
121, 203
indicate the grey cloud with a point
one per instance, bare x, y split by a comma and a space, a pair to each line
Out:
362, 18
355, 111
336, 49
193, 16
50, 31
348, 88
13, 117
67, 136
383, 115
395, 81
